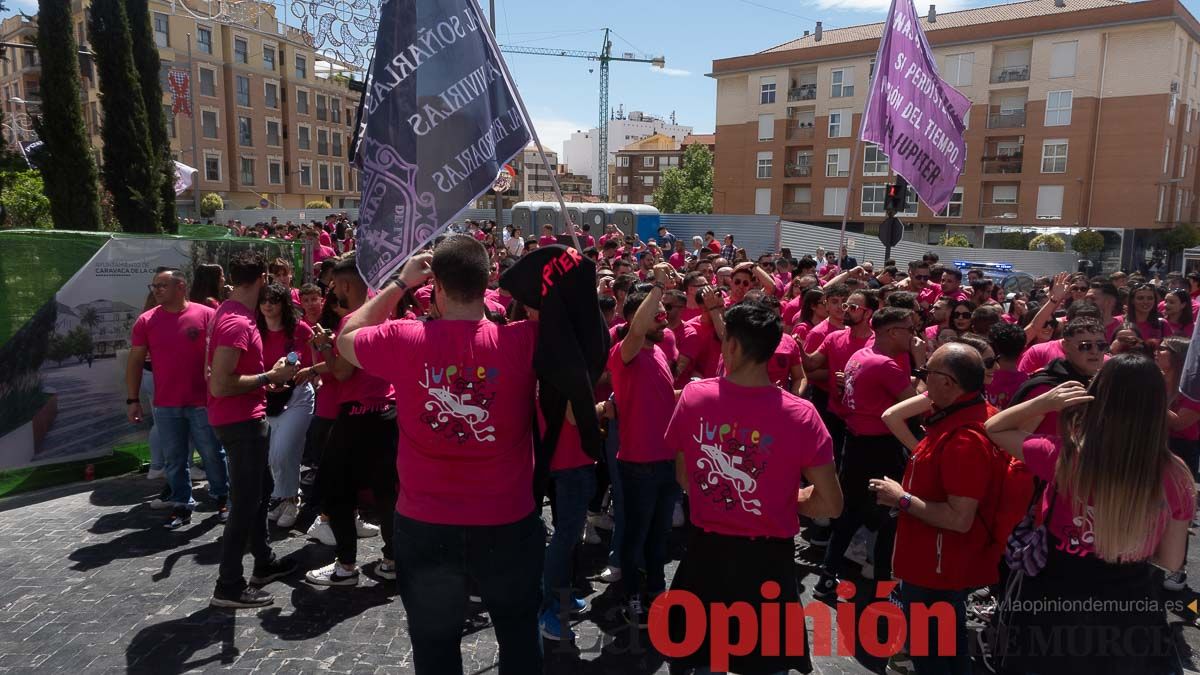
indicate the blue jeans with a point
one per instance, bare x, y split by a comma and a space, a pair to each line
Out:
288, 430
573, 489
650, 492
611, 445
178, 430
434, 564
960, 663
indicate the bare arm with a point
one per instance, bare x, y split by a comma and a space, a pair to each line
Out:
799, 379
1008, 428
640, 324
1172, 548
955, 514
896, 418
133, 383
823, 497
1183, 419
223, 382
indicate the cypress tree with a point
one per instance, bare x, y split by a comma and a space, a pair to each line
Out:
149, 67
131, 172
69, 170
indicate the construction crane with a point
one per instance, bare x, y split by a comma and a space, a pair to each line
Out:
605, 56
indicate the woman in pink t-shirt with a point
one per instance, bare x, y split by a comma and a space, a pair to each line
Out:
1118, 504
1183, 418
290, 407
1178, 311
1142, 312
812, 312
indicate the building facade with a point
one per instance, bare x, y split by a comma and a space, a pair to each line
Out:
582, 148
1084, 114
271, 122
638, 168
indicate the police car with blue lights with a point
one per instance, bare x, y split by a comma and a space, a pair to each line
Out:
1003, 275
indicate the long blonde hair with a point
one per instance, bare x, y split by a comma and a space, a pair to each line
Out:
1115, 457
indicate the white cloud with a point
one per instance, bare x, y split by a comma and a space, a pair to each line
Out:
671, 72
553, 130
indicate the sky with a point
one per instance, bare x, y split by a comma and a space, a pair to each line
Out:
562, 94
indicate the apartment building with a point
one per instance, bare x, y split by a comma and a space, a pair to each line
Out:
1084, 114
272, 122
639, 166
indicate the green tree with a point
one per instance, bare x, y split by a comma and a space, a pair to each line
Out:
210, 204
24, 200
89, 318
79, 343
58, 349
68, 168
954, 240
149, 68
1051, 242
314, 204
1087, 242
688, 187
131, 172
1184, 235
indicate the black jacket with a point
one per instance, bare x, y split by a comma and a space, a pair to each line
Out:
572, 347
1055, 373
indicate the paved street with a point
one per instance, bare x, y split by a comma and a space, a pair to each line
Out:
89, 583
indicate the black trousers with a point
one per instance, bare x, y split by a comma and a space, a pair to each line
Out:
247, 449
361, 452
866, 457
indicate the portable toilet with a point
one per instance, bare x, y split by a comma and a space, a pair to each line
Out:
648, 219
522, 216
597, 215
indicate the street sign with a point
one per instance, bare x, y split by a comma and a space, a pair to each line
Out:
263, 203
891, 231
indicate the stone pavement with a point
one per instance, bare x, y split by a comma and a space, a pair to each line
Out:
90, 583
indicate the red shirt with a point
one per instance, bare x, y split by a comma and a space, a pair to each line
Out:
175, 340
233, 326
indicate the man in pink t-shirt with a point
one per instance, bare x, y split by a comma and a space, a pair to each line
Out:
874, 381
237, 409
465, 391
172, 334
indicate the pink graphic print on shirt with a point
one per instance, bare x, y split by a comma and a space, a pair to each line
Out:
731, 461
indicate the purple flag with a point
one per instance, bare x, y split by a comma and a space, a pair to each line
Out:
913, 115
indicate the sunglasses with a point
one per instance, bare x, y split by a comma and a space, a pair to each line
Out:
922, 277
924, 373
990, 362
961, 315
850, 307
1087, 347
741, 282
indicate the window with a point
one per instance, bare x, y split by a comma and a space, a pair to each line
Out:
871, 70
1167, 157
663, 161
1178, 204
301, 67
335, 110
765, 160
208, 82
247, 171
1062, 59
204, 39
337, 144
323, 176
243, 90
875, 162
1195, 64
1179, 50
959, 69
322, 111
271, 95
1004, 194
162, 30
1162, 194
245, 131
835, 201
170, 115
623, 161
842, 82
766, 90
1054, 156
622, 180
274, 172
306, 173
762, 201
212, 167
648, 181
303, 138
839, 126
837, 163
208, 123
241, 50
338, 184
623, 199
1183, 162
301, 102
766, 127
954, 207
648, 162
1058, 108
322, 142
273, 133
1049, 202
802, 195
269, 58
873, 197
1171, 105
648, 199
910, 202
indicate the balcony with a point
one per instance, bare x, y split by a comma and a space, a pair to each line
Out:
802, 131
1002, 163
797, 171
1010, 74
805, 92
1006, 119
797, 209
1005, 211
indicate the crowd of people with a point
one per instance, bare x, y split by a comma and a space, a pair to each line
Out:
996, 446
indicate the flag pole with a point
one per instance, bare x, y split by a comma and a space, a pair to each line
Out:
512, 85
850, 188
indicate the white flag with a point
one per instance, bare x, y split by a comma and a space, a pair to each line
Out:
184, 175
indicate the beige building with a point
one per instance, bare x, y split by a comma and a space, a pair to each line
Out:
271, 122
1085, 113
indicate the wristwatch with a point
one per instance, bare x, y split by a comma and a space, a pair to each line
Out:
905, 501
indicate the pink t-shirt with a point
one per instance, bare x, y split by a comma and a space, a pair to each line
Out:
699, 342
322, 252
275, 345
465, 396
678, 260
931, 332
1040, 355
779, 366
546, 240
328, 398
800, 332
296, 297
645, 397
568, 451
362, 387
175, 340
838, 348
1181, 402
233, 326
929, 295
790, 309
874, 383
817, 335
745, 450
1075, 531
324, 237
1004, 385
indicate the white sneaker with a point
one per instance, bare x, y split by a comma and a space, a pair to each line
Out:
332, 575
1175, 581
365, 529
273, 514
155, 474
611, 575
600, 521
677, 518
386, 569
322, 532
589, 534
287, 514
197, 474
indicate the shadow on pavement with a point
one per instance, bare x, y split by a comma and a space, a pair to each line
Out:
168, 647
141, 543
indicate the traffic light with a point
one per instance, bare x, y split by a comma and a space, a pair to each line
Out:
897, 196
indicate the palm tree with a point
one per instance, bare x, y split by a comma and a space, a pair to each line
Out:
90, 318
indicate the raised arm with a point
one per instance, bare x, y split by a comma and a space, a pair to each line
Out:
379, 308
